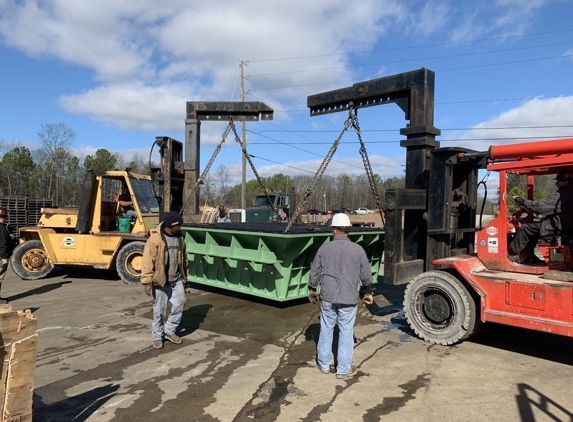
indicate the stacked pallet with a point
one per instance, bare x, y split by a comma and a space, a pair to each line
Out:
34, 208
17, 212
19, 346
209, 214
23, 211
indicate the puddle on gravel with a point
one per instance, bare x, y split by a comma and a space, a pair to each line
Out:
246, 319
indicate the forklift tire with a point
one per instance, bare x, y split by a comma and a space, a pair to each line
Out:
128, 263
440, 309
30, 261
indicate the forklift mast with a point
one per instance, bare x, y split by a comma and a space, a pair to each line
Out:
169, 178
178, 175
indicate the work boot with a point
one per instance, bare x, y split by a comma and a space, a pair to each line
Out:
158, 344
351, 373
173, 338
3, 301
328, 370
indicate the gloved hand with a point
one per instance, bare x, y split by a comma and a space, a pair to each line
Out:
519, 201
367, 299
313, 296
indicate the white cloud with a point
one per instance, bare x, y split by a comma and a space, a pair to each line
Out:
536, 119
132, 106
151, 56
434, 16
500, 18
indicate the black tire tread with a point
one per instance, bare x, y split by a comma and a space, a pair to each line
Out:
16, 261
124, 252
468, 325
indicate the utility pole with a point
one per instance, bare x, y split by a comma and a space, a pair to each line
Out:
244, 140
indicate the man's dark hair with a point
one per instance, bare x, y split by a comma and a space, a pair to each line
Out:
343, 229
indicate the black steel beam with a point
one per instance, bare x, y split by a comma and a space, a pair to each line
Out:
219, 111
412, 91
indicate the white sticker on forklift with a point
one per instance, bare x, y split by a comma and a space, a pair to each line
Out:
492, 244
68, 242
492, 231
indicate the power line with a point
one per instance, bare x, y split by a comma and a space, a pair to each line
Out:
307, 120
310, 142
415, 46
442, 129
417, 59
291, 144
440, 140
281, 164
498, 100
504, 63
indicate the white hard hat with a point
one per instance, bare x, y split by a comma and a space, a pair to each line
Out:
340, 220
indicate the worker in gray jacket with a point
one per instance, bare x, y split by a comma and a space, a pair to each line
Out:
339, 267
223, 217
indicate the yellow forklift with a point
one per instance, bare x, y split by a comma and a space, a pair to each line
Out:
98, 233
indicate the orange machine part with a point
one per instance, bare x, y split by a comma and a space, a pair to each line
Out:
531, 149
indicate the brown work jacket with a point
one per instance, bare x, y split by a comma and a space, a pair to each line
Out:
155, 261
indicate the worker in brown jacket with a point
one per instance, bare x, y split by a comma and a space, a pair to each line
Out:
163, 273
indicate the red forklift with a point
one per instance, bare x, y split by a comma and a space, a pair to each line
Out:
455, 295
454, 286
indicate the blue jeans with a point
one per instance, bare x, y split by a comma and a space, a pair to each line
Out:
162, 295
346, 315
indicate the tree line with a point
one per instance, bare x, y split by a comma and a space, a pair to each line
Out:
329, 193
54, 172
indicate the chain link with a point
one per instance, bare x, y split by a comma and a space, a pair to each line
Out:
351, 121
201, 179
248, 157
310, 189
368, 168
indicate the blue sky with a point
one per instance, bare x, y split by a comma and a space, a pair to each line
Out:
120, 73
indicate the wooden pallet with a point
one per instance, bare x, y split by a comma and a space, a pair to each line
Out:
18, 352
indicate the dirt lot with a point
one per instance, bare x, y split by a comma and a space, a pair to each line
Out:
245, 360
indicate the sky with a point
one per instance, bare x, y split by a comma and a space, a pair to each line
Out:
120, 73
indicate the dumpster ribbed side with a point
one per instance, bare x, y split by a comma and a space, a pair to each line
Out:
274, 266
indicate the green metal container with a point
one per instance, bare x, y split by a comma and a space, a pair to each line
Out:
259, 260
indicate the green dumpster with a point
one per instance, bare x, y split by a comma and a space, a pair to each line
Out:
260, 260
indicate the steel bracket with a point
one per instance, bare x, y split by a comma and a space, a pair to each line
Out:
219, 111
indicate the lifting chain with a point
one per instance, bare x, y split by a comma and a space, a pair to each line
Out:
368, 168
310, 189
248, 157
201, 179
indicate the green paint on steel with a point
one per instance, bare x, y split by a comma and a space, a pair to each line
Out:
273, 266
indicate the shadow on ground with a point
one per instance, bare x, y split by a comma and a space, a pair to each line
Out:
77, 408
528, 342
37, 291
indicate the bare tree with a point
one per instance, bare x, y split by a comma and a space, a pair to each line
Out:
221, 179
56, 140
138, 163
